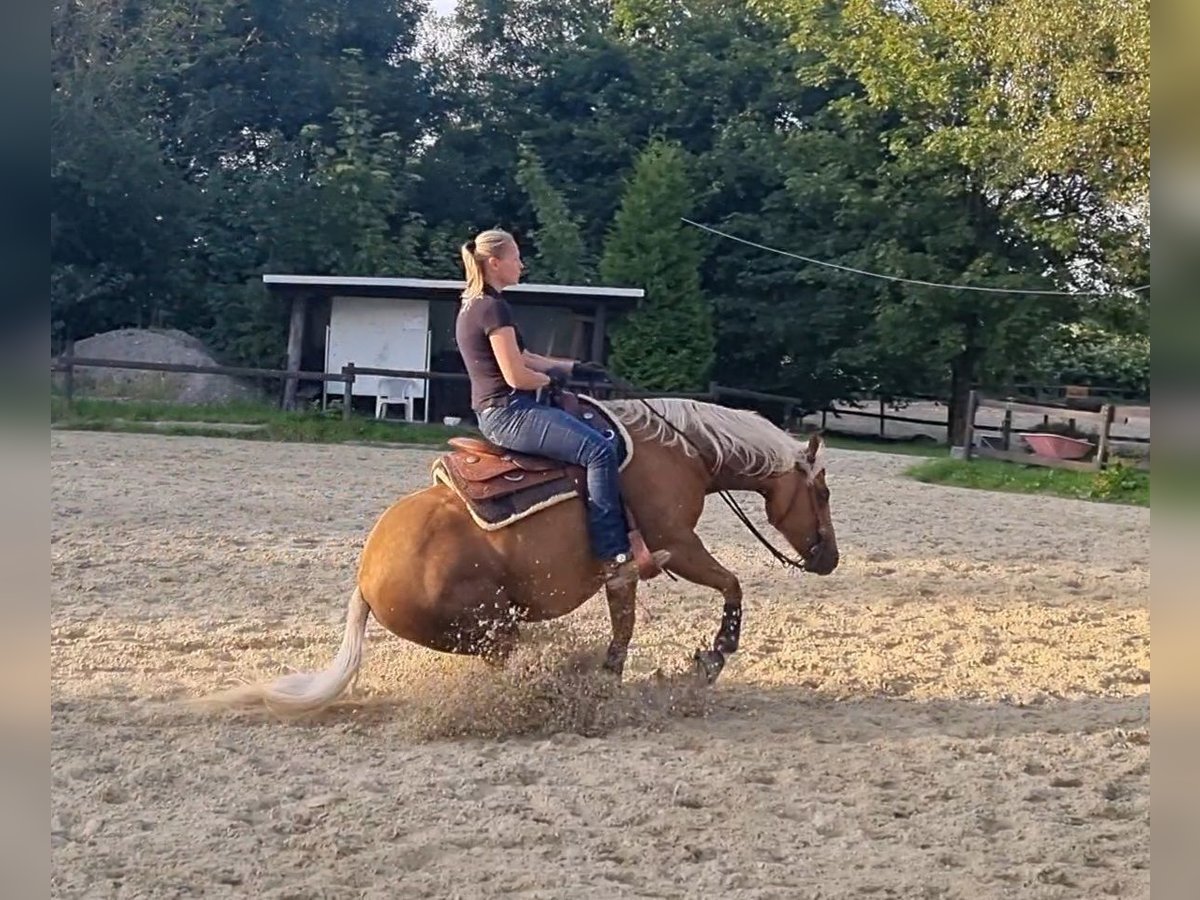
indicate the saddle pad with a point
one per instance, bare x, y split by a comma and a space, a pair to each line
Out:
493, 506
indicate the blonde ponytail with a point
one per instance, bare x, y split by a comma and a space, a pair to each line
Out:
494, 242
473, 270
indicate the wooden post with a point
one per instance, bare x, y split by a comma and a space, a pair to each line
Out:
1107, 411
715, 390
882, 418
295, 345
824, 413
347, 391
1006, 430
69, 375
969, 428
599, 326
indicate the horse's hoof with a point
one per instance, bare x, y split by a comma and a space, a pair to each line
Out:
709, 664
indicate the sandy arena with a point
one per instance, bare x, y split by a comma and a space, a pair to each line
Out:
960, 711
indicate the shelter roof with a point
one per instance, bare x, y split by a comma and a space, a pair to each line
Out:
584, 297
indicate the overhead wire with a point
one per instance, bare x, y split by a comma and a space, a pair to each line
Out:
917, 281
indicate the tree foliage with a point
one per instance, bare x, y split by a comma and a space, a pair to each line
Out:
560, 253
1046, 104
997, 143
667, 342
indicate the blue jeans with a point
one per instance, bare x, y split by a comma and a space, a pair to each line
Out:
525, 426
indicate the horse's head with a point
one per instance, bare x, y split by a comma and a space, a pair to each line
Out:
798, 508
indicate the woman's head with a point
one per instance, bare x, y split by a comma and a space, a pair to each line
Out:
491, 257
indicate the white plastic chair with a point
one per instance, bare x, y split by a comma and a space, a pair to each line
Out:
395, 392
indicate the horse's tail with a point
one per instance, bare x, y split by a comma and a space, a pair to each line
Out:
308, 692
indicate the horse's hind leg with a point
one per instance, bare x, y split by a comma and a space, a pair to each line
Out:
691, 560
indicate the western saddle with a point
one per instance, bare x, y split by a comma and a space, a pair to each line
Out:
500, 487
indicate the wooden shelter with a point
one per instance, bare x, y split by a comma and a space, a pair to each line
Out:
408, 324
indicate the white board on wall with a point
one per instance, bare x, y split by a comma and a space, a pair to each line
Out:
378, 332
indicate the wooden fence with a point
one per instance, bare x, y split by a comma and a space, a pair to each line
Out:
1102, 418
788, 408
67, 363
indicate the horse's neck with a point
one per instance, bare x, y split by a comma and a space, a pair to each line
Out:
724, 480
725, 477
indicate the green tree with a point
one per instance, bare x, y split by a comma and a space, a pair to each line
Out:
545, 74
180, 164
243, 70
1045, 104
560, 252
122, 215
667, 342
838, 193
332, 203
1082, 353
926, 218
784, 326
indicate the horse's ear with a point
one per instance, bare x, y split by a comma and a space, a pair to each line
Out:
814, 446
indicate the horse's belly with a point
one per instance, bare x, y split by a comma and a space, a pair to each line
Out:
434, 577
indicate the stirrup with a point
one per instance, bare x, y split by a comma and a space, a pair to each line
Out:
650, 565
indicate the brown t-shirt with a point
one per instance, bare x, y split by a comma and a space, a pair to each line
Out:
476, 321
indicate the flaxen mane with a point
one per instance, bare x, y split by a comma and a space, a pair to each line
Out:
736, 437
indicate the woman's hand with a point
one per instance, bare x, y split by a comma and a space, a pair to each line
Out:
588, 370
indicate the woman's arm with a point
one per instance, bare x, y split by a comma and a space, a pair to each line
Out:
548, 364
516, 370
563, 367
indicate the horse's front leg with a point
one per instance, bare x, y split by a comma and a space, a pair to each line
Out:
693, 562
622, 611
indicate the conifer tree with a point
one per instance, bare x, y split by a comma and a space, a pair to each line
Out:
560, 257
667, 343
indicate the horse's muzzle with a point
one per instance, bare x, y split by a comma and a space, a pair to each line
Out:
823, 558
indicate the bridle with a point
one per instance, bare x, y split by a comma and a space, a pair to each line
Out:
622, 385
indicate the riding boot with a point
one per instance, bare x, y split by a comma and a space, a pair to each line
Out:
620, 574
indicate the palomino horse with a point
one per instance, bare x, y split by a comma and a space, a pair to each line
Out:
431, 574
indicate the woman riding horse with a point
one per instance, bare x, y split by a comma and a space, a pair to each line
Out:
505, 380
430, 574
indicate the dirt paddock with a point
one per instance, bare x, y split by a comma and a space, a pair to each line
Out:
960, 711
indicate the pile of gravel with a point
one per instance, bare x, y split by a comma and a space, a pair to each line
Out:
155, 345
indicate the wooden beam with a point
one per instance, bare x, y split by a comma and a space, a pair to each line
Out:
1038, 410
720, 390
347, 391
1105, 428
599, 326
295, 345
575, 351
973, 403
63, 363
69, 379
